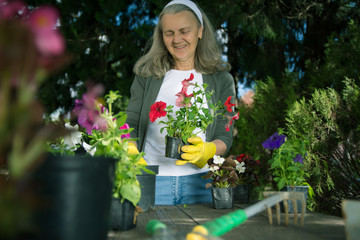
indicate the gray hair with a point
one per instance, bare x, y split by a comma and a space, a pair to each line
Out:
157, 61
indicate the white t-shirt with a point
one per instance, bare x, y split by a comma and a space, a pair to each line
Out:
155, 141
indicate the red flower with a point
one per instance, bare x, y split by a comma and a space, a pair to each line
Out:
157, 110
240, 158
229, 105
231, 119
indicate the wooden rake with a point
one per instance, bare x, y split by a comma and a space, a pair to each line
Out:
294, 197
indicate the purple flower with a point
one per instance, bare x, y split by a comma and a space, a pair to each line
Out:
87, 110
298, 158
274, 141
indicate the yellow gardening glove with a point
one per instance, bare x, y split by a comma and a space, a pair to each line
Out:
198, 153
132, 149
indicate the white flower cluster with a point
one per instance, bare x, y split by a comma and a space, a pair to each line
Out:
72, 140
240, 167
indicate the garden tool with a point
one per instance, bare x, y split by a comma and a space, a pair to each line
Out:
213, 229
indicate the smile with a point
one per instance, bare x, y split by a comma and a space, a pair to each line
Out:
180, 47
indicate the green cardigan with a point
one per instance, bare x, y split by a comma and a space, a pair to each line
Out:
145, 90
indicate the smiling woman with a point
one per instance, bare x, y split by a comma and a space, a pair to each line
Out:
181, 34
183, 45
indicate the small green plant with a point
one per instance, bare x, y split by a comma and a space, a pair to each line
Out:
287, 160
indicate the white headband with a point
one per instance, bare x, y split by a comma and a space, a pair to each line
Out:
189, 4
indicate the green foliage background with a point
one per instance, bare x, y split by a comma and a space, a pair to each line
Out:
295, 54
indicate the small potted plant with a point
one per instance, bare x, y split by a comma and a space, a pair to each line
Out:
287, 164
246, 179
196, 112
225, 174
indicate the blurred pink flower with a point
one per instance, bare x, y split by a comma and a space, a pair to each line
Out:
10, 9
126, 126
50, 42
42, 22
43, 18
87, 110
248, 98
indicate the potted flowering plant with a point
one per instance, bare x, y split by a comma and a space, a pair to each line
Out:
247, 179
196, 112
109, 135
287, 164
225, 174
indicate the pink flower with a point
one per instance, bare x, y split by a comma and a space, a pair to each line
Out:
10, 9
157, 110
50, 42
43, 22
229, 105
182, 96
186, 82
87, 110
230, 122
126, 126
43, 18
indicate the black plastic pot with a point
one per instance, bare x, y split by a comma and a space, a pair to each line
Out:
148, 184
76, 195
303, 189
173, 145
242, 194
223, 198
122, 215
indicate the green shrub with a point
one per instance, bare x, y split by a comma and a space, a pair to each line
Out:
330, 122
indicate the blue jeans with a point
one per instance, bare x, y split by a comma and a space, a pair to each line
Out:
172, 190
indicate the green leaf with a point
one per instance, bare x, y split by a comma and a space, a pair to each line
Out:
131, 191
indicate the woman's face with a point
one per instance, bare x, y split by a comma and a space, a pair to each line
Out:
180, 35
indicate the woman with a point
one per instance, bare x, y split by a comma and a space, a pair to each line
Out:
183, 43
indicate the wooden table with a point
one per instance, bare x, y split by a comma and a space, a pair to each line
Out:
182, 218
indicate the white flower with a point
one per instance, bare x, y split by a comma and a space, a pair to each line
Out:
218, 159
73, 138
240, 167
214, 168
90, 149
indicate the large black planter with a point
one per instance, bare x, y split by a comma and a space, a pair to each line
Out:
76, 195
303, 189
222, 198
172, 147
122, 215
147, 182
242, 193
